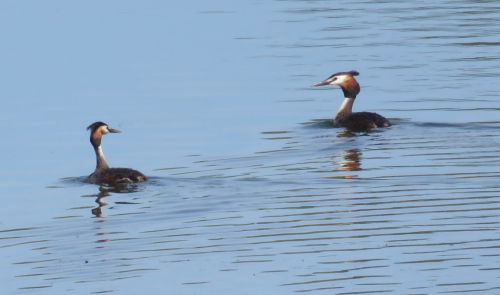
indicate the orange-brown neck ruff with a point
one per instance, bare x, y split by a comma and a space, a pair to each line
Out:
350, 87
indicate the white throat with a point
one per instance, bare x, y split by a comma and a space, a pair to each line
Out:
346, 107
101, 161
99, 152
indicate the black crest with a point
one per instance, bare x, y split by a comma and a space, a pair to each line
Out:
350, 73
94, 126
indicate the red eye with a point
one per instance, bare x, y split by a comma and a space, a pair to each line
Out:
334, 79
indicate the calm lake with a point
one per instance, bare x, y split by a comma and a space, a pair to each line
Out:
251, 190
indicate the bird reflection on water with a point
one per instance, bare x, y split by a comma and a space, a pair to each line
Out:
105, 191
351, 162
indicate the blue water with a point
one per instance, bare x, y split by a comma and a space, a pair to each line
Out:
251, 190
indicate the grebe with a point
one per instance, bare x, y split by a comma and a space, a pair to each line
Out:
102, 173
345, 117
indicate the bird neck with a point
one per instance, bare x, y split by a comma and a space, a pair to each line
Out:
345, 108
101, 161
350, 87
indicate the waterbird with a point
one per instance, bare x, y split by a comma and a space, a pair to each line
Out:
345, 117
102, 173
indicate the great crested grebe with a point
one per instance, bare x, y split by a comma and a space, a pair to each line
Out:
345, 117
102, 173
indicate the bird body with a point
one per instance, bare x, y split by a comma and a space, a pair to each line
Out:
102, 173
345, 117
361, 120
116, 175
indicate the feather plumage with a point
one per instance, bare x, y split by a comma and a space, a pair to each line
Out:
102, 173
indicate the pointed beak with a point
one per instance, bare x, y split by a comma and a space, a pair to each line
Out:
111, 130
321, 84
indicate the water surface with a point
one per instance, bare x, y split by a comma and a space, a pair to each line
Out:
251, 190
